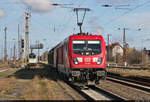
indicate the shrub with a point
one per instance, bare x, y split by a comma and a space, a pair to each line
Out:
134, 57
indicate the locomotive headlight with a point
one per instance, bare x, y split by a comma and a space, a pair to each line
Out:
75, 61
99, 61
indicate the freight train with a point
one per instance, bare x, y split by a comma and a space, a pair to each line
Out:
80, 58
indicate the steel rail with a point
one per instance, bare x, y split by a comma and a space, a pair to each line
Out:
130, 68
4, 69
94, 93
77, 89
129, 80
130, 84
87, 97
109, 94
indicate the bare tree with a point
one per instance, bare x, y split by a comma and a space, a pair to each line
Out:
134, 57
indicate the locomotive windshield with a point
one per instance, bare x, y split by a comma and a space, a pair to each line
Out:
32, 55
87, 47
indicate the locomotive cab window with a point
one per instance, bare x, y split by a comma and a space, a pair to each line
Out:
32, 56
87, 47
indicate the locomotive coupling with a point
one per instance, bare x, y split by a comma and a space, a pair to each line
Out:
76, 73
101, 73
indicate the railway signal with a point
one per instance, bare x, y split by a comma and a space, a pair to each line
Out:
22, 43
37, 46
19, 43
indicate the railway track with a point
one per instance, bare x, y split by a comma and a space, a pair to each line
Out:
130, 68
141, 86
108, 95
4, 69
96, 93
137, 80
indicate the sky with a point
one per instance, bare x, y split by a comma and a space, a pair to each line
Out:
50, 24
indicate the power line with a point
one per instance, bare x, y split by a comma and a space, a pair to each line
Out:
138, 6
82, 3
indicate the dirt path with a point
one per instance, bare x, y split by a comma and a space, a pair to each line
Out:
35, 84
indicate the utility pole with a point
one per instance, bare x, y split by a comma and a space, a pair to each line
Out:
11, 54
2, 53
108, 49
142, 51
14, 57
38, 51
27, 37
5, 45
124, 46
19, 47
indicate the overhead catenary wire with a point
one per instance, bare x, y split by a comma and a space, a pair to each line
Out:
127, 12
81, 3
71, 16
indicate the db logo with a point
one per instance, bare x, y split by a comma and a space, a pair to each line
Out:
87, 59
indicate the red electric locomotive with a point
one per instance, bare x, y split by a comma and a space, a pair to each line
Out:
81, 58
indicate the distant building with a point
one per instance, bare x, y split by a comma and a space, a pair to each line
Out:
115, 51
146, 56
44, 56
115, 48
147, 52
